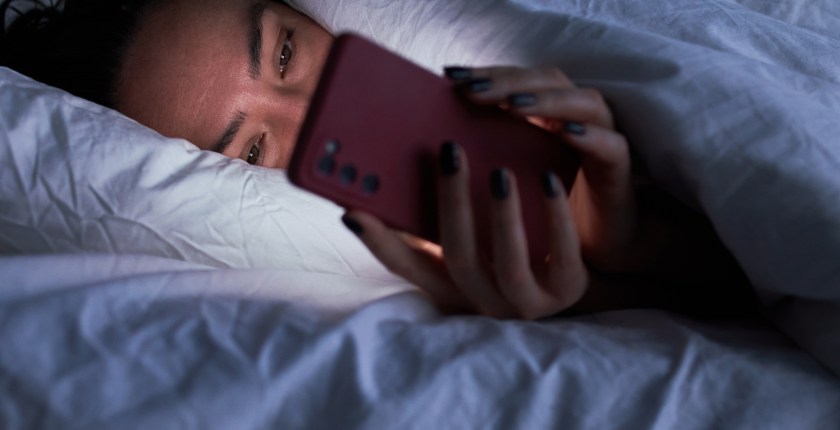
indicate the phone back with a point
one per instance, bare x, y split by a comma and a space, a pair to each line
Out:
372, 135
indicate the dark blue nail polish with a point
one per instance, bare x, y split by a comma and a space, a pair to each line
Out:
457, 73
522, 99
499, 184
575, 128
477, 85
352, 225
449, 162
550, 184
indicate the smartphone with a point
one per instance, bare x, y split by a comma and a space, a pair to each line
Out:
371, 138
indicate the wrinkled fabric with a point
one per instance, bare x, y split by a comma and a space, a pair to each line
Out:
146, 284
80, 178
136, 342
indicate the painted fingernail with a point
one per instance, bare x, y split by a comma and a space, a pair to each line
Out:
499, 184
352, 225
551, 187
449, 162
575, 128
476, 85
522, 99
457, 73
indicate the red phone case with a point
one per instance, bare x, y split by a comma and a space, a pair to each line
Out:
372, 135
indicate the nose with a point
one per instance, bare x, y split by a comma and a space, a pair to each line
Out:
281, 111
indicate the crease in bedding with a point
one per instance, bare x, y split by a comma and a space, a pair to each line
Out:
236, 301
224, 356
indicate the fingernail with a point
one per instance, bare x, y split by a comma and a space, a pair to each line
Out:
522, 99
575, 128
551, 187
352, 224
477, 85
457, 73
449, 163
499, 184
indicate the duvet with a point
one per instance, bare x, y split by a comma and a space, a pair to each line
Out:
147, 284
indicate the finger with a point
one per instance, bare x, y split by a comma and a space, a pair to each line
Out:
457, 235
511, 263
420, 244
606, 188
582, 105
492, 85
567, 277
605, 162
401, 258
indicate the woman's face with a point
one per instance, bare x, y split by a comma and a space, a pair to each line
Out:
234, 77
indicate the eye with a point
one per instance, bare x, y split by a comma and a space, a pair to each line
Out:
286, 53
253, 154
253, 157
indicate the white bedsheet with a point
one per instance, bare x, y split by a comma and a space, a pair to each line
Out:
145, 284
132, 342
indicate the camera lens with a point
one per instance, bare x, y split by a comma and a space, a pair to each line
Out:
326, 165
347, 175
332, 146
370, 184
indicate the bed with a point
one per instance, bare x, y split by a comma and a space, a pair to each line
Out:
147, 284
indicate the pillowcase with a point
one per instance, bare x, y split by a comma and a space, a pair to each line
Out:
76, 177
733, 107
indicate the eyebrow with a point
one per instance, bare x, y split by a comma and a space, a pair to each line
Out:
230, 132
255, 37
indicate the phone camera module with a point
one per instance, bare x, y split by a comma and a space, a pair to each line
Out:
347, 175
332, 147
370, 184
326, 165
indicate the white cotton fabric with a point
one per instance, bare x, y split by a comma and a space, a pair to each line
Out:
136, 342
80, 178
146, 284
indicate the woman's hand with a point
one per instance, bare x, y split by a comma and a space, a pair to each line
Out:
603, 200
499, 282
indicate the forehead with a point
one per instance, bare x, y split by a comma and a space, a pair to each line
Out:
183, 70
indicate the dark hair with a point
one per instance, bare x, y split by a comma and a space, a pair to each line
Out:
75, 45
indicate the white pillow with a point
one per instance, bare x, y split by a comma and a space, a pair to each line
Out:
734, 107
76, 177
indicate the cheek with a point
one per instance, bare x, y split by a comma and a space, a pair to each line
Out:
322, 42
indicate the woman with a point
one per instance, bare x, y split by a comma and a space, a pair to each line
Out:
237, 77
